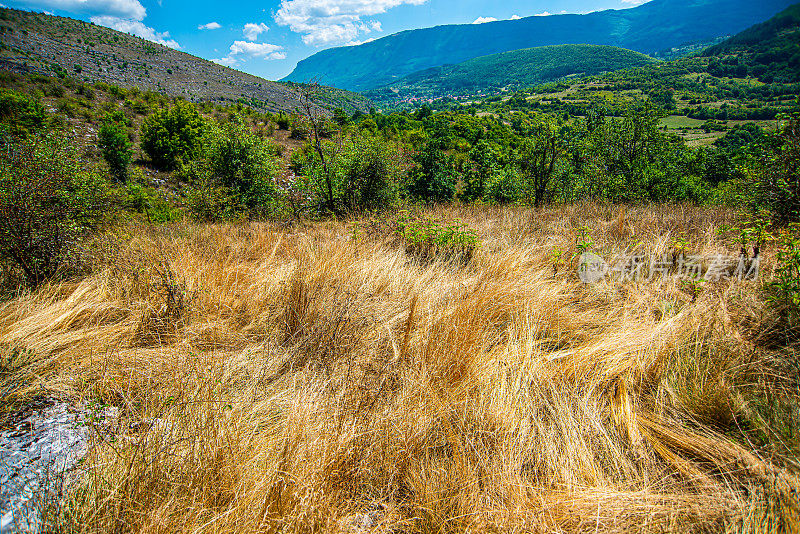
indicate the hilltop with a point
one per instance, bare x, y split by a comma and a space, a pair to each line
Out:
649, 28
507, 70
59, 46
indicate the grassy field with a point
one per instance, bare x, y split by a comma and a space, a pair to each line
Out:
674, 122
301, 379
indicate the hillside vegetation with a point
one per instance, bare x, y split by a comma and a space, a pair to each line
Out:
515, 69
769, 51
648, 28
58, 46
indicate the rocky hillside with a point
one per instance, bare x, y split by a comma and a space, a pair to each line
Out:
58, 46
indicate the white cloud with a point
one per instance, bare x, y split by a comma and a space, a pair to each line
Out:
634, 3
483, 20
227, 61
252, 30
126, 9
210, 26
137, 28
326, 22
543, 14
261, 50
241, 50
515, 17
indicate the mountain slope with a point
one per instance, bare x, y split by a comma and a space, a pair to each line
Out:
47, 44
769, 51
526, 67
648, 28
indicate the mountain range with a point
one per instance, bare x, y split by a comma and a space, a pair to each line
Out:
649, 28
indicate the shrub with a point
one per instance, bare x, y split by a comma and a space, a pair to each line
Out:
786, 283
23, 113
364, 172
368, 172
115, 145
283, 121
235, 174
49, 203
780, 183
504, 187
174, 135
428, 239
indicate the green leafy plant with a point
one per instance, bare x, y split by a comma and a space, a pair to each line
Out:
234, 175
557, 258
115, 145
23, 113
583, 241
174, 135
49, 203
785, 286
428, 239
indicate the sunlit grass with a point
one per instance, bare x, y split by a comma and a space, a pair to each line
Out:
300, 380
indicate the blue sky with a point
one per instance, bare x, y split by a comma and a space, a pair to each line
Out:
268, 38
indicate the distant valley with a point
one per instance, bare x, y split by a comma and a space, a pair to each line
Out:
649, 28
509, 70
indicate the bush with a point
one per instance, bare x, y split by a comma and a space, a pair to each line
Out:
115, 145
149, 201
786, 283
504, 187
24, 114
173, 136
365, 172
780, 183
283, 121
368, 175
49, 203
234, 175
428, 239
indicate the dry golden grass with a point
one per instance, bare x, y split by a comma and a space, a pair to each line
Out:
275, 380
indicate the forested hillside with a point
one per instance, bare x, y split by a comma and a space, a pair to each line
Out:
510, 70
769, 51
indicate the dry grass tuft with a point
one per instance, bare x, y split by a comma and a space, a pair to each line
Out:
309, 382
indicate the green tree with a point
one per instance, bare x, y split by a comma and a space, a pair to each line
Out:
364, 172
369, 174
115, 144
780, 181
174, 135
538, 156
433, 178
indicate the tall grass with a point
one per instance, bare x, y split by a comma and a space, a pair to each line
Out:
299, 380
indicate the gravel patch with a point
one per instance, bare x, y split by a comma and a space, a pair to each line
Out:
36, 454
